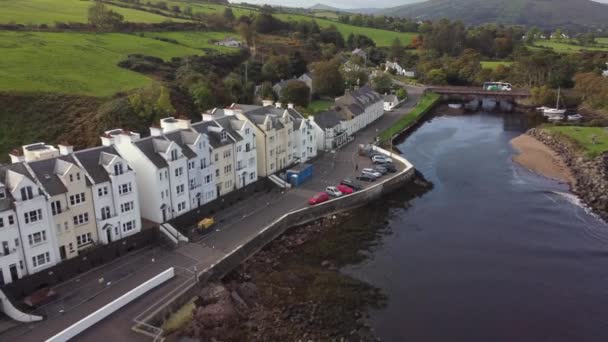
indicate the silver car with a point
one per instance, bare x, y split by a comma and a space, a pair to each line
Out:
371, 172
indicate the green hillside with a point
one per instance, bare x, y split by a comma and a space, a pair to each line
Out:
81, 63
381, 37
541, 13
51, 11
565, 46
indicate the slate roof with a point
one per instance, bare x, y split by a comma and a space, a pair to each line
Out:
327, 119
226, 123
147, 147
214, 138
46, 173
390, 98
180, 138
93, 159
357, 101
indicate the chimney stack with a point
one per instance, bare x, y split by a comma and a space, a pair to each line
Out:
66, 149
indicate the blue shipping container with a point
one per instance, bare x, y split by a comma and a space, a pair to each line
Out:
299, 174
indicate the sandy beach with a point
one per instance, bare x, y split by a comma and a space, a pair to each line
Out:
537, 157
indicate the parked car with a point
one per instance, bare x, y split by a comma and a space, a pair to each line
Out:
366, 178
318, 198
381, 159
351, 184
380, 168
373, 154
344, 189
333, 191
371, 172
390, 167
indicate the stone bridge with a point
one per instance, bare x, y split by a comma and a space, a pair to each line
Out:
475, 97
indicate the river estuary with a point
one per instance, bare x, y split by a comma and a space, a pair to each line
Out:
493, 252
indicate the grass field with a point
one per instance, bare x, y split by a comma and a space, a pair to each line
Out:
564, 47
195, 39
425, 104
51, 11
583, 137
381, 37
76, 63
494, 64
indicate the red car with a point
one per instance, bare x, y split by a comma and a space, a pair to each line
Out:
318, 198
344, 189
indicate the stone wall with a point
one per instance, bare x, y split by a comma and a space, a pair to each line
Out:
591, 175
281, 225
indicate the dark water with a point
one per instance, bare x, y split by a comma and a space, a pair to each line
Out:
493, 252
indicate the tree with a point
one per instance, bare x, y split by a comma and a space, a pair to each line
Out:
382, 83
102, 18
247, 32
188, 11
401, 94
175, 9
266, 92
297, 64
228, 14
327, 78
296, 92
332, 35
276, 68
202, 96
396, 51
436, 77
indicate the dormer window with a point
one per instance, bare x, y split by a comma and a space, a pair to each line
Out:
224, 136
268, 126
27, 193
173, 155
118, 169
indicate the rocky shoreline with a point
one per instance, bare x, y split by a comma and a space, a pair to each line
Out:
293, 289
590, 175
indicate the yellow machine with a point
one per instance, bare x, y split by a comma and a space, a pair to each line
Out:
206, 223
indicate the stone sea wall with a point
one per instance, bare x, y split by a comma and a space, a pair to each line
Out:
591, 175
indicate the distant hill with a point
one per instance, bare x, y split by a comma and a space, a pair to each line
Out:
541, 13
322, 7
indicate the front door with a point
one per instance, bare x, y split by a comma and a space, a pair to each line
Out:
109, 234
62, 252
14, 273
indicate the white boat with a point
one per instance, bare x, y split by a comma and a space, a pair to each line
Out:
555, 117
574, 117
554, 111
455, 105
541, 109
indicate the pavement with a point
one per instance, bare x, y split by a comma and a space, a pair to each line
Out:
236, 225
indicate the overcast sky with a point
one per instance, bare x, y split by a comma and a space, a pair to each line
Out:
341, 3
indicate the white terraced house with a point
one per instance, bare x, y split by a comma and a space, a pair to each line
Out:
359, 108
114, 192
28, 242
273, 131
245, 154
303, 139
222, 155
161, 173
64, 184
198, 150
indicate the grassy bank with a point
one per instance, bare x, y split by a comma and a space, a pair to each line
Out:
592, 140
426, 103
568, 46
69, 11
78, 63
494, 64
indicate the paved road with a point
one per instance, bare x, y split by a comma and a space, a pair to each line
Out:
237, 225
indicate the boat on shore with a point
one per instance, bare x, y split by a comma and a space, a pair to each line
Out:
574, 117
549, 112
455, 105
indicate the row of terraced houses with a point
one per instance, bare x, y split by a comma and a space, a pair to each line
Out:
56, 202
